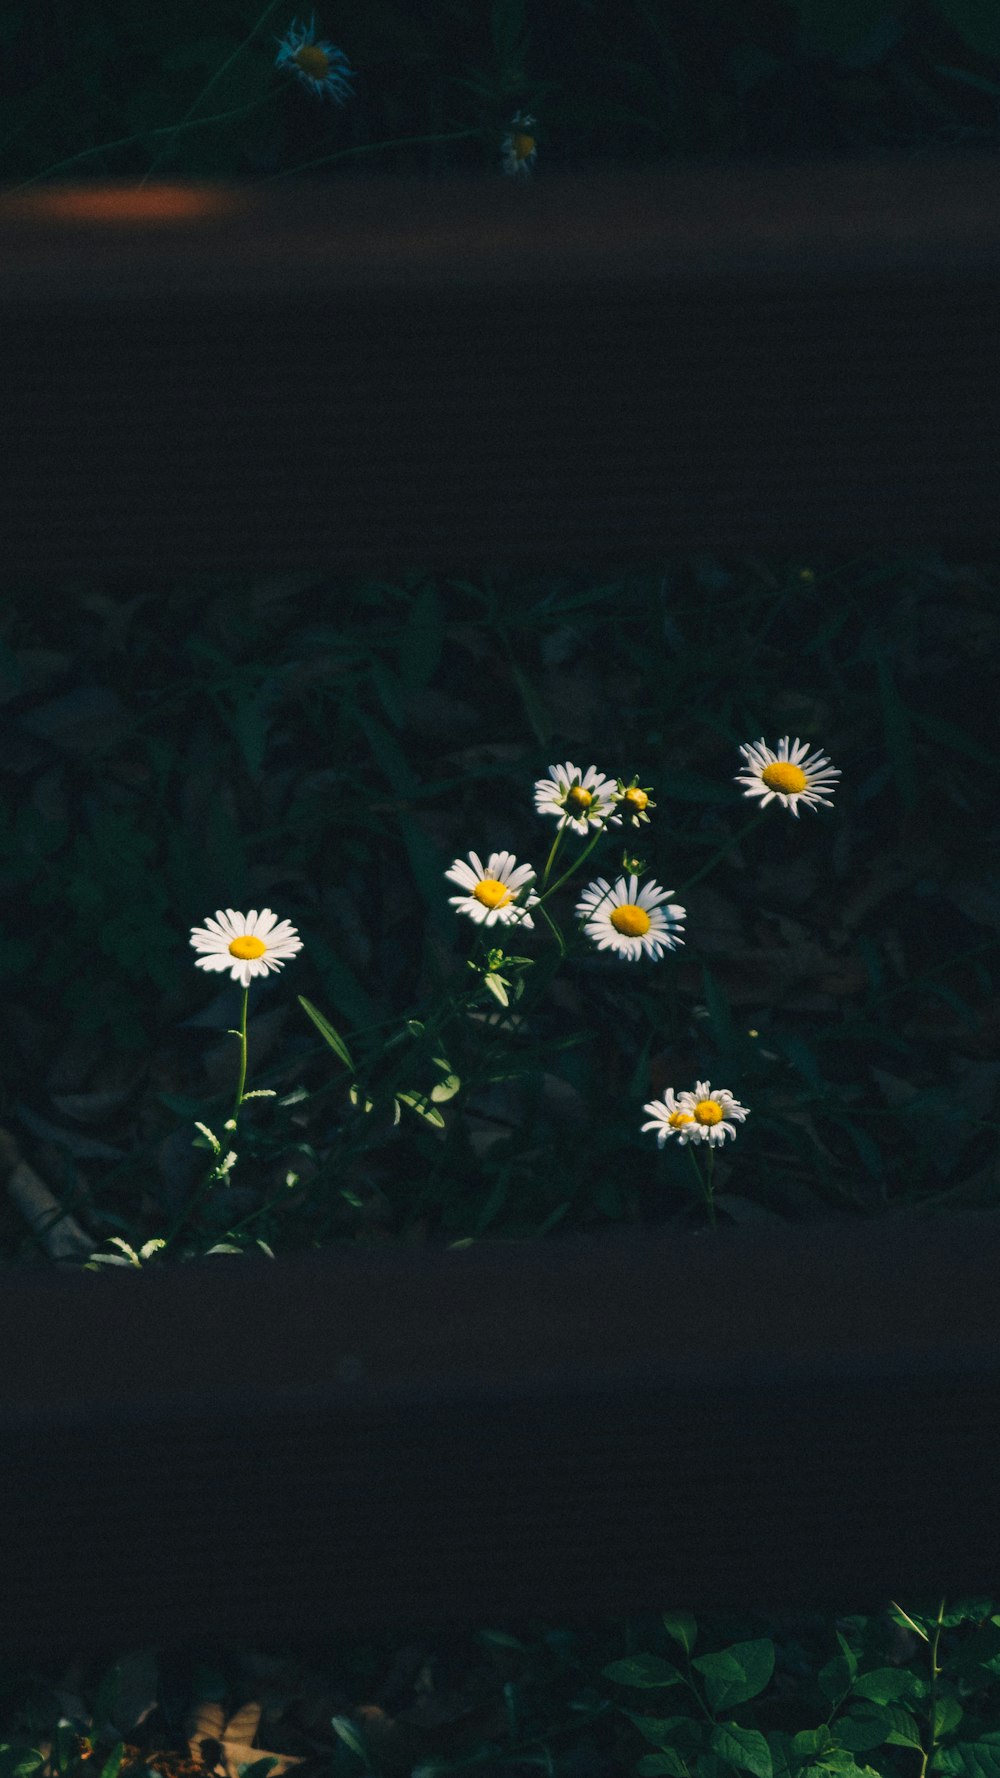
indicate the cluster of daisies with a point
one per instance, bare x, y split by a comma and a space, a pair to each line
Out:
626, 917
326, 72
621, 917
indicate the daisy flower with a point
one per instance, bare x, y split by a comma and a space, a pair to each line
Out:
630, 920
245, 944
320, 67
632, 803
518, 147
695, 1117
788, 775
581, 800
493, 891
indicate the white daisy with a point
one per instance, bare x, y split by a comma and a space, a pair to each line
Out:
695, 1117
581, 800
629, 920
245, 944
519, 149
632, 803
496, 891
320, 67
787, 774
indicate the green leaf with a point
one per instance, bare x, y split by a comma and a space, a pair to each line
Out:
679, 1732
883, 1685
981, 1649
668, 1763
420, 1103
970, 1759
496, 988
904, 1730
736, 1673
861, 1729
977, 21
682, 1628
344, 1729
809, 1743
326, 1030
745, 1748
113, 1764
643, 1671
20, 1762
446, 1088
835, 1679
848, 1653
948, 1713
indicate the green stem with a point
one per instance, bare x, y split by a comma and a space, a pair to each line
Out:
342, 154
721, 853
588, 848
219, 72
127, 141
552, 853
928, 1752
243, 1053
704, 1184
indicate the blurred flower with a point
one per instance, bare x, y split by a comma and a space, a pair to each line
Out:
631, 803
581, 800
787, 775
493, 891
629, 920
518, 148
245, 944
320, 67
695, 1117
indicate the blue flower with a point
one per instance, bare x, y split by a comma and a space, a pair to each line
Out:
321, 67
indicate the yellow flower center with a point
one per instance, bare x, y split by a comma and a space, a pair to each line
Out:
523, 146
491, 893
247, 946
677, 1118
783, 776
708, 1111
578, 798
635, 799
313, 61
630, 921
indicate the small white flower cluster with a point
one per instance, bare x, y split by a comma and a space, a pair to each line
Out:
700, 1116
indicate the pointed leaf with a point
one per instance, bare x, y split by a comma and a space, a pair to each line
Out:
643, 1671
326, 1031
736, 1673
681, 1626
745, 1748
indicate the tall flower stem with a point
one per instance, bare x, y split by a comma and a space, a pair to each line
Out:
242, 1035
588, 848
704, 1181
928, 1753
551, 857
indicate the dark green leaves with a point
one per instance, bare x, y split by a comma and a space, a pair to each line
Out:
643, 1671
736, 1674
